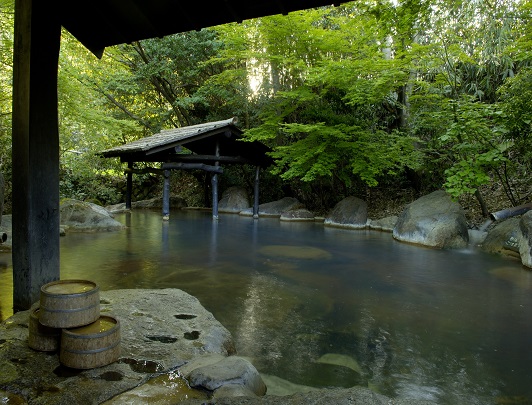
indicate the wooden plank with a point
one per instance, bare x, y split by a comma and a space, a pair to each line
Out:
210, 158
192, 166
184, 158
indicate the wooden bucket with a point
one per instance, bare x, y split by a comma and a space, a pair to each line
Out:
91, 346
69, 303
40, 337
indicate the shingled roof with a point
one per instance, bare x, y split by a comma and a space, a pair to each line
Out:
202, 140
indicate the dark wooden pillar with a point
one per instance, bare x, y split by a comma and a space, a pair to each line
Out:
256, 194
214, 182
35, 150
129, 185
166, 195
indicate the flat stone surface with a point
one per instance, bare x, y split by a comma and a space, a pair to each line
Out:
160, 331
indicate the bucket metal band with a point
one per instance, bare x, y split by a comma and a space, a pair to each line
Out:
93, 351
71, 310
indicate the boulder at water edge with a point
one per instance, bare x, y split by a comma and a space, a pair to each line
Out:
433, 220
81, 216
234, 200
274, 208
152, 203
297, 215
351, 212
525, 240
503, 238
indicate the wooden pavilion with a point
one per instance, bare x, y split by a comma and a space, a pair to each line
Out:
97, 24
207, 146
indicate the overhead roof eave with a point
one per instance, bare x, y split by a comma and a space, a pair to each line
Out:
98, 24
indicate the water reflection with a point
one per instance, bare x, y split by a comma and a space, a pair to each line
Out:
307, 303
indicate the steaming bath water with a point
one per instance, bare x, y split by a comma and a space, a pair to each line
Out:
322, 307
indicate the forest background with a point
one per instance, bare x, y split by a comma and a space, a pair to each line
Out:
383, 100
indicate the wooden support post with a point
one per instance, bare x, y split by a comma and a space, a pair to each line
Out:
256, 194
166, 196
214, 182
129, 184
35, 150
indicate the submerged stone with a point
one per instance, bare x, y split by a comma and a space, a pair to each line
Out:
327, 376
340, 360
516, 277
280, 387
295, 252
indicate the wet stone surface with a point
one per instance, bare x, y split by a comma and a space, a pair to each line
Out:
154, 371
151, 343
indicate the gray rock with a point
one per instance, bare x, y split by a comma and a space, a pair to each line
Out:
274, 208
300, 214
351, 212
80, 216
503, 238
6, 227
234, 200
384, 224
229, 370
152, 203
433, 220
168, 325
233, 390
525, 240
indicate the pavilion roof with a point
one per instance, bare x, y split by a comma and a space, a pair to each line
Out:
201, 142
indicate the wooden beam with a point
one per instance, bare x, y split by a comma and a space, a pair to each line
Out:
209, 158
35, 150
145, 170
192, 166
185, 158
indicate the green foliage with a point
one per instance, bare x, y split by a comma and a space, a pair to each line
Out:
516, 96
340, 150
478, 145
348, 97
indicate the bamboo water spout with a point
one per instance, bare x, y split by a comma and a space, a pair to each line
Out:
510, 212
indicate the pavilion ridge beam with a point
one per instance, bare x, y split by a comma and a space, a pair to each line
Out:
224, 159
194, 166
184, 141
